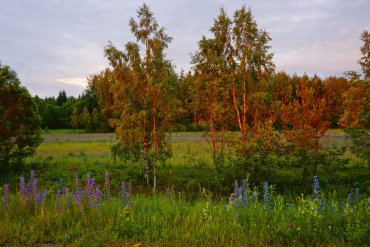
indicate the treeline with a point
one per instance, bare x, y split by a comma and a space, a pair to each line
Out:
232, 86
68, 112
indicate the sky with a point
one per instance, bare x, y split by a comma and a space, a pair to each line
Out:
55, 45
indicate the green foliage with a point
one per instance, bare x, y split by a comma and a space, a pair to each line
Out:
360, 142
19, 120
365, 59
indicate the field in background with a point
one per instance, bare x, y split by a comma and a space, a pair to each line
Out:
185, 145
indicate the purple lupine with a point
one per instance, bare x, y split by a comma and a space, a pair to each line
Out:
124, 194
77, 198
168, 192
32, 175
65, 196
22, 189
6, 197
239, 192
316, 194
92, 183
39, 199
35, 190
266, 193
255, 196
88, 181
357, 193
349, 199
97, 195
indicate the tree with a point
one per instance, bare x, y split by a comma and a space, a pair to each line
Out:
365, 59
210, 91
356, 115
140, 96
74, 118
305, 121
19, 121
252, 68
62, 98
95, 119
84, 117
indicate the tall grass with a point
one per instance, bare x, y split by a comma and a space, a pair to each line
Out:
250, 216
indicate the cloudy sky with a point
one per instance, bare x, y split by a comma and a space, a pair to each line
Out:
56, 44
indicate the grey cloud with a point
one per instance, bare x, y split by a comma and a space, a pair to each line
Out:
45, 41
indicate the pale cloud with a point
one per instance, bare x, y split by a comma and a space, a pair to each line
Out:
78, 81
56, 44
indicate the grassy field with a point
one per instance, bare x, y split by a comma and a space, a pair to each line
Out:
88, 215
195, 203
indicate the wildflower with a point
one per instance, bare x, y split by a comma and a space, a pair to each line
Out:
236, 187
239, 192
168, 192
245, 187
237, 216
245, 201
131, 204
6, 197
92, 183
254, 197
77, 198
22, 189
40, 200
323, 205
316, 188
32, 177
97, 196
35, 190
124, 194
266, 194
349, 199
357, 193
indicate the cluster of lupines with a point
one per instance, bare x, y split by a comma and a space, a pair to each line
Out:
125, 193
318, 198
89, 196
243, 195
29, 193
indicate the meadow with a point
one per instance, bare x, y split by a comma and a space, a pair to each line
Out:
78, 194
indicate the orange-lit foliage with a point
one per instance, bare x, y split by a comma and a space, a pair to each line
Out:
356, 102
304, 119
334, 89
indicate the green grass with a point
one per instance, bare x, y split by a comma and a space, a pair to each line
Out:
157, 220
198, 212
